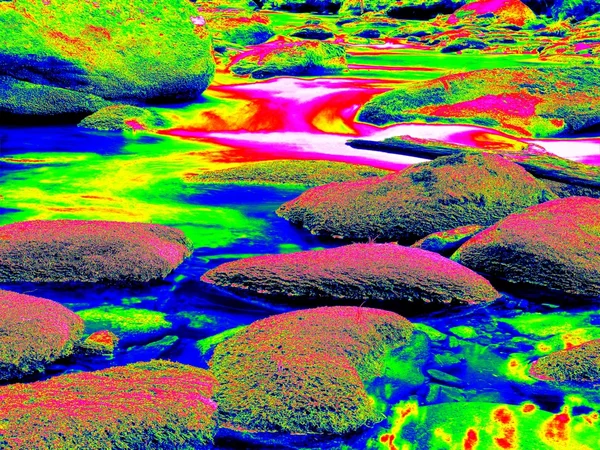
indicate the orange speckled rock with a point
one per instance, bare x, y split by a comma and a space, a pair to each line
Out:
449, 192
89, 251
505, 12
554, 246
388, 275
304, 371
34, 332
101, 342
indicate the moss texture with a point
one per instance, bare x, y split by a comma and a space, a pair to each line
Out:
291, 172
446, 242
290, 58
387, 275
123, 117
99, 343
154, 405
135, 51
34, 332
447, 193
576, 9
529, 102
89, 251
304, 371
580, 363
555, 245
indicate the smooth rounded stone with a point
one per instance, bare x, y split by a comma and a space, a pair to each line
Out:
554, 247
123, 117
537, 102
580, 364
133, 326
132, 51
99, 343
447, 242
34, 332
449, 192
314, 32
155, 405
303, 372
388, 275
504, 12
304, 58
292, 172
89, 251
459, 45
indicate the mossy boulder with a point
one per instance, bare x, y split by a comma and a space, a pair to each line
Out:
304, 372
579, 364
503, 12
387, 275
318, 6
123, 117
290, 172
152, 405
238, 26
526, 101
99, 343
449, 192
34, 332
422, 9
554, 246
315, 32
458, 45
306, 58
131, 325
89, 251
23, 99
131, 51
447, 242
575, 9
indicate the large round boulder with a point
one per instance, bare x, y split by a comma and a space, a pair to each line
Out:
134, 51
304, 371
388, 275
154, 405
554, 246
580, 364
34, 332
89, 251
529, 101
501, 12
449, 192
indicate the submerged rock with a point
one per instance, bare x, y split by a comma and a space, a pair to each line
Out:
34, 332
89, 251
159, 404
387, 275
290, 58
304, 371
292, 172
580, 363
446, 242
554, 246
526, 101
449, 192
134, 51
123, 117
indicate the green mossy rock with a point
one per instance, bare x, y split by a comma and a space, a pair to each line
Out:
580, 364
34, 332
134, 51
89, 251
304, 371
306, 58
385, 275
575, 9
529, 102
318, 6
449, 192
239, 27
123, 117
555, 246
307, 173
154, 405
